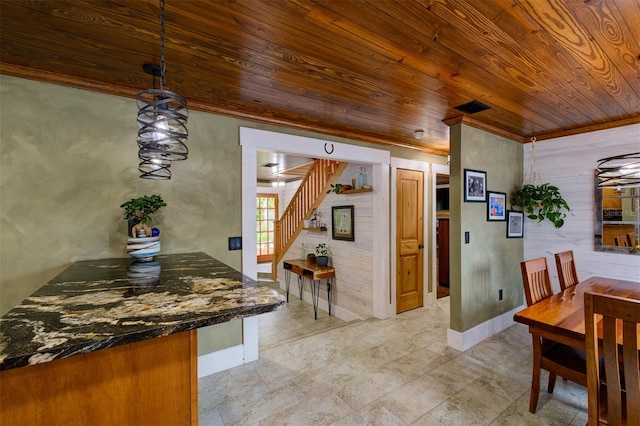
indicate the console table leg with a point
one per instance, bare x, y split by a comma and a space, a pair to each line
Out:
315, 296
287, 278
329, 294
300, 284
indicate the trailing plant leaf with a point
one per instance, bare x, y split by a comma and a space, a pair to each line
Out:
322, 249
337, 188
542, 202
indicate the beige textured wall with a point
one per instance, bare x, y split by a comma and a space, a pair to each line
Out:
491, 261
68, 159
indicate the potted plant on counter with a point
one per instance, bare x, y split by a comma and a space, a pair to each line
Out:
322, 254
138, 212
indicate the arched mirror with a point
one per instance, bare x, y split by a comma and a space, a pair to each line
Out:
617, 227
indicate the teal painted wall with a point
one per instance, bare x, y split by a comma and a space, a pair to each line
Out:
490, 261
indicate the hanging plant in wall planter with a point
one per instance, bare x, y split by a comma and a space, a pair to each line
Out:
540, 201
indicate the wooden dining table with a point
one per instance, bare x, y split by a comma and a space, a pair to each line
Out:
561, 317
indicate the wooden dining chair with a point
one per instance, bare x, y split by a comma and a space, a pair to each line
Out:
537, 283
613, 397
556, 358
631, 239
566, 267
622, 241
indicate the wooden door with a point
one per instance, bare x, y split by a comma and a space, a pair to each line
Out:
409, 240
266, 214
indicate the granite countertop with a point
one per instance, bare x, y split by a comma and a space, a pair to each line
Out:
97, 304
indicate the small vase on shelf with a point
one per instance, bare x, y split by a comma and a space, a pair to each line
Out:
362, 178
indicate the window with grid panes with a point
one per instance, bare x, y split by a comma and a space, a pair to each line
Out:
266, 212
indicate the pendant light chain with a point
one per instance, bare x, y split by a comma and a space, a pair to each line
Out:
162, 121
163, 65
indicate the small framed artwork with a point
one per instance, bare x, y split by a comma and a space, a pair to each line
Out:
475, 186
342, 223
496, 202
515, 228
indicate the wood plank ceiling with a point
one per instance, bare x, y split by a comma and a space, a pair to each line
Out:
372, 70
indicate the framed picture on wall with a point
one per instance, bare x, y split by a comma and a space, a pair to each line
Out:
515, 224
342, 223
496, 206
475, 186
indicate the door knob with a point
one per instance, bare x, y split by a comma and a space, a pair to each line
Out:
420, 246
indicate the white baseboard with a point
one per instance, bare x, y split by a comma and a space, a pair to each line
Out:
467, 339
215, 362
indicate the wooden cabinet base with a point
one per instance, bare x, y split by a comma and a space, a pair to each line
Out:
153, 382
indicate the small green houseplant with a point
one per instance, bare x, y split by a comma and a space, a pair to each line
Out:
542, 202
337, 188
322, 254
137, 212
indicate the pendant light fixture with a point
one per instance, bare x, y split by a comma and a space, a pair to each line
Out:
162, 121
620, 171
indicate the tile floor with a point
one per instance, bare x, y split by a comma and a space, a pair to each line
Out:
398, 371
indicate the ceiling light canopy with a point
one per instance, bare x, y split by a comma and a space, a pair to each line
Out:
162, 121
620, 171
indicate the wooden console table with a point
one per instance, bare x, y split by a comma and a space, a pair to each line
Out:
315, 274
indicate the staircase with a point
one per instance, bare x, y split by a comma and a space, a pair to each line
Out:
310, 194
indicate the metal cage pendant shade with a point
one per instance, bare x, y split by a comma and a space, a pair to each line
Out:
162, 122
620, 171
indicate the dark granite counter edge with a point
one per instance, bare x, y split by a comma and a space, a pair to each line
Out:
187, 325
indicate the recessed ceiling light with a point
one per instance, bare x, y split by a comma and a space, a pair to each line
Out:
418, 134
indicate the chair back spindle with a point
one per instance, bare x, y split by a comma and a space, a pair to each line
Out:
622, 241
536, 280
566, 266
616, 401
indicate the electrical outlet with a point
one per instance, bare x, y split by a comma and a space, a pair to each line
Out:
500, 294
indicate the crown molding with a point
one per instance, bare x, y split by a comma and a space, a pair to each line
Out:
478, 124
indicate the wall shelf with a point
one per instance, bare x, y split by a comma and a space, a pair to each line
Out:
356, 191
315, 229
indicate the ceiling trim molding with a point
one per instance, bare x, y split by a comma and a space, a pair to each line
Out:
591, 128
316, 129
64, 80
74, 82
77, 83
472, 122
478, 124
